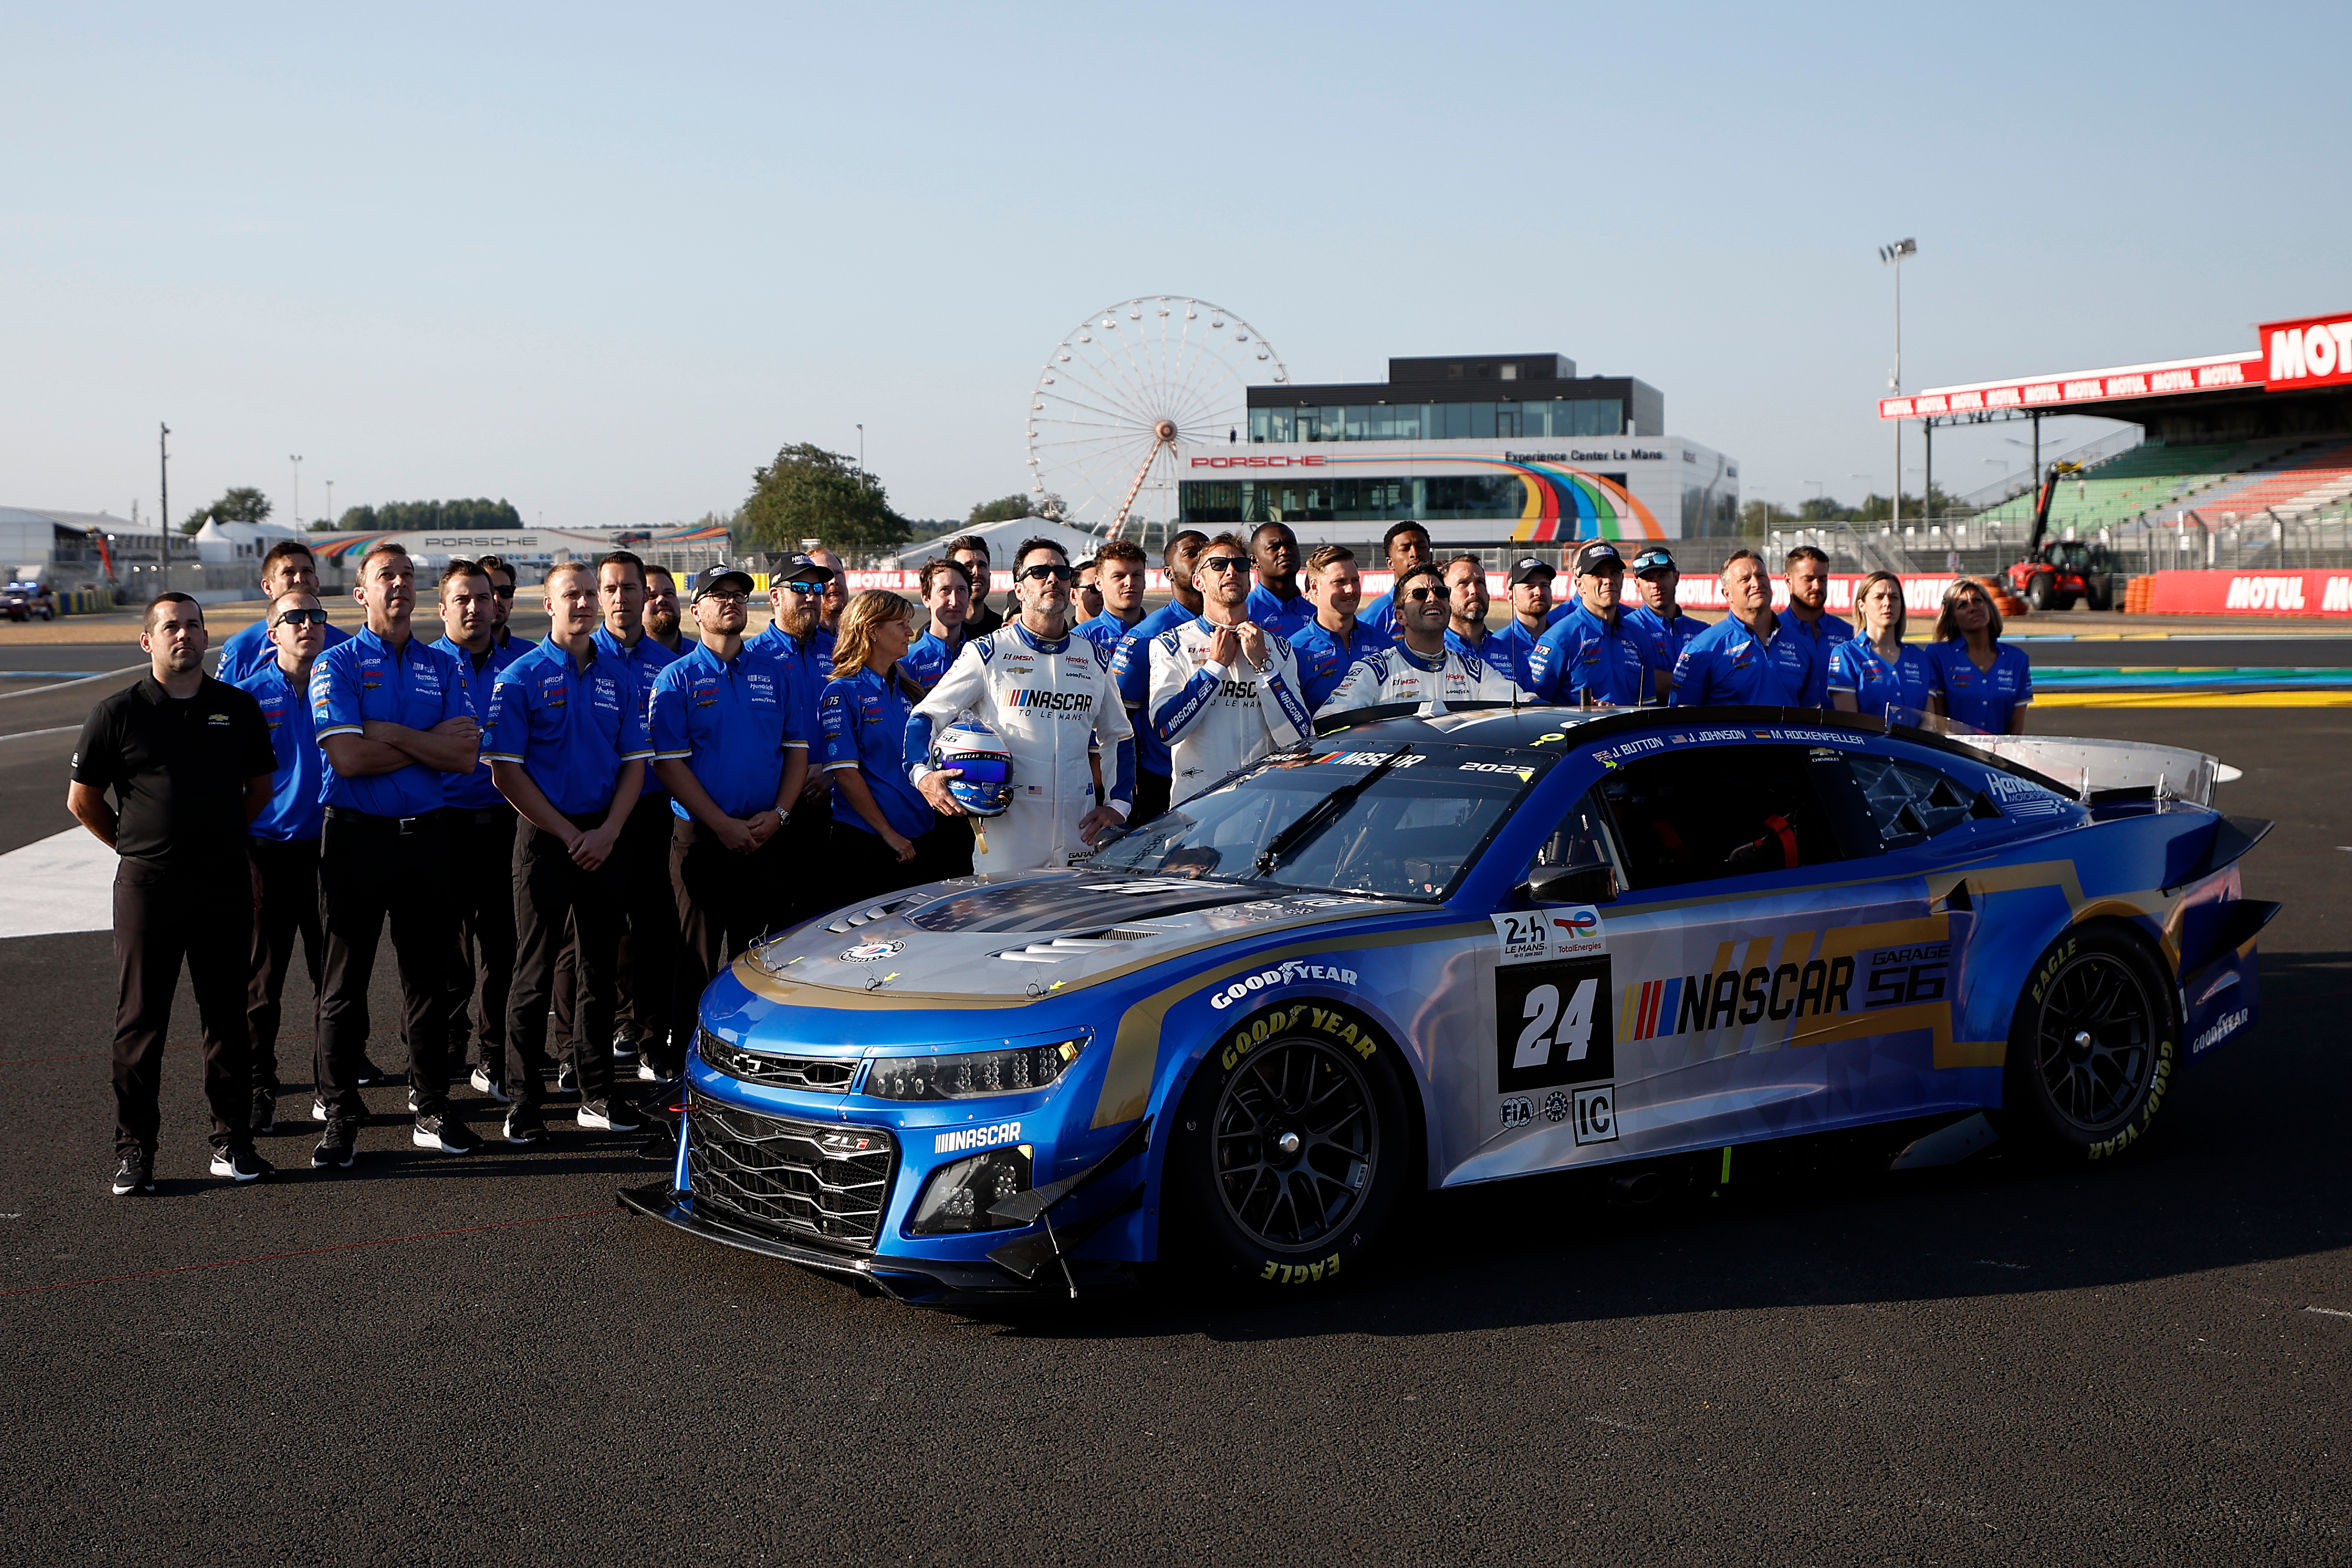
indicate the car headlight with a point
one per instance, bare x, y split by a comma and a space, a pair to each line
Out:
973, 1074
958, 1197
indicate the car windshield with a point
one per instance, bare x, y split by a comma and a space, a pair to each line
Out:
1410, 834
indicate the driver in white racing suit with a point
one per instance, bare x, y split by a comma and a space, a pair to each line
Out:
1048, 694
1423, 666
1225, 690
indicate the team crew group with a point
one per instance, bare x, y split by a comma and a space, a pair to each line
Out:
661, 802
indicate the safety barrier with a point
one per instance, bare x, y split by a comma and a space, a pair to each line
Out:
2251, 593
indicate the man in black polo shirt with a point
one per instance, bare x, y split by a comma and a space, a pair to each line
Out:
190, 763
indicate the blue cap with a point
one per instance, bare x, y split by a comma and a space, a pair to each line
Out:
1654, 558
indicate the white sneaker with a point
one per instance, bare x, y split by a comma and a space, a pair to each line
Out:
610, 1116
317, 1110
483, 1084
646, 1073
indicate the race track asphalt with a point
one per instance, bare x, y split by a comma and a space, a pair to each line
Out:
430, 1359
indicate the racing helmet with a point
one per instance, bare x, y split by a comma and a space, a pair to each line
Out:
986, 787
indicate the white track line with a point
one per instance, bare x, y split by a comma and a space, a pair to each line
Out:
102, 675
28, 734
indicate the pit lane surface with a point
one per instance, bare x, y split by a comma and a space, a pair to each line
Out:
428, 1357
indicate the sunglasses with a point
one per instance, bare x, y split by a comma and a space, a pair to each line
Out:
298, 618
1223, 564
505, 593
805, 587
1418, 594
1044, 569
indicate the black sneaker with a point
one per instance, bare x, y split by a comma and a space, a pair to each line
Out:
336, 1148
624, 1045
135, 1174
523, 1126
446, 1134
609, 1115
265, 1112
567, 1081
485, 1084
240, 1164
370, 1076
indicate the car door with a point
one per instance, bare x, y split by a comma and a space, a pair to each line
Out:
1767, 968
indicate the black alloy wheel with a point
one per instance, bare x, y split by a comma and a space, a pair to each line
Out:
2094, 1051
1294, 1142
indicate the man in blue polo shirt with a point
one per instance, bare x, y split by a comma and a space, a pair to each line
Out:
288, 568
1808, 621
285, 847
1329, 646
1662, 623
393, 716
1407, 546
1745, 658
1467, 601
1121, 573
566, 740
1276, 604
1530, 581
1591, 657
730, 752
946, 588
480, 828
797, 640
1130, 666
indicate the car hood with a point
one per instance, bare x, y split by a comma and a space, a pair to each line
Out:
1029, 936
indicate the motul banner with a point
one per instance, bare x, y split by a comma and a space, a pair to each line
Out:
2054, 392
2314, 352
2252, 593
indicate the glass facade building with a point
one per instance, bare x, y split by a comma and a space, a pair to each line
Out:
1482, 420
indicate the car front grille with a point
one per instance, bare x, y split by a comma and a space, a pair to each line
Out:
825, 1181
815, 1075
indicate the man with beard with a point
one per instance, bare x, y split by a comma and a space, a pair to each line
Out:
836, 591
1421, 666
190, 763
971, 550
1132, 667
480, 827
796, 639
661, 611
394, 717
1276, 604
1808, 620
1466, 604
1049, 695
1407, 544
1530, 583
1222, 692
1592, 656
502, 592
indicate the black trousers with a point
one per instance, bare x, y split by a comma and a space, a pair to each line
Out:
1152, 792
864, 868
482, 951
726, 902
554, 897
807, 849
641, 1008
371, 867
290, 909
161, 916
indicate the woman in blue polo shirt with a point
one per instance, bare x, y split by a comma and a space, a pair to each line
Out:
1980, 681
1874, 673
884, 834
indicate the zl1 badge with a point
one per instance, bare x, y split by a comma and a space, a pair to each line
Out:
1553, 1025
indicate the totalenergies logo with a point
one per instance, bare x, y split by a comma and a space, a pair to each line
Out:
2314, 352
1257, 462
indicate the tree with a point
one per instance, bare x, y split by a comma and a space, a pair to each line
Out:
811, 494
1006, 507
242, 503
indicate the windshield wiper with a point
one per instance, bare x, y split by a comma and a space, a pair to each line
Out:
1323, 813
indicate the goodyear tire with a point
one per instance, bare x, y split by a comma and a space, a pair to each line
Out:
2093, 1049
1294, 1147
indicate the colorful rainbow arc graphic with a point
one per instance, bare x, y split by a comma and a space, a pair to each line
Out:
1562, 502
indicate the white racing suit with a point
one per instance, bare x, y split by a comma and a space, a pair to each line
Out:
1213, 717
1397, 674
1047, 700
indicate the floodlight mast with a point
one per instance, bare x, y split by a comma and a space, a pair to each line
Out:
1893, 256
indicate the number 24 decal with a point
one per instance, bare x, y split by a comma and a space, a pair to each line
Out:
1575, 1031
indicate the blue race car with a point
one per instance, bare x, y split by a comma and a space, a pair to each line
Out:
1435, 948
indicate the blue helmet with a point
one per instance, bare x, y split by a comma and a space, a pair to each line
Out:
986, 787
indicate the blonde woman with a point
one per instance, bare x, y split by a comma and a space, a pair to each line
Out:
1874, 672
1980, 681
884, 832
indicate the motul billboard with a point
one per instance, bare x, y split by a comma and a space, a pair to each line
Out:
2314, 352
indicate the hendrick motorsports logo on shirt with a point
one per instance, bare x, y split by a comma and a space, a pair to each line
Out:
867, 952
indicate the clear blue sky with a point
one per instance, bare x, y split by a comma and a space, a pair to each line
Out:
604, 262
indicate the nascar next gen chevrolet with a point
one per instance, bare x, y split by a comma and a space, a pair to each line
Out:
1435, 948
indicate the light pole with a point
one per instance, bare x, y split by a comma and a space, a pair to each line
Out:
163, 465
861, 448
296, 458
1893, 256
331, 503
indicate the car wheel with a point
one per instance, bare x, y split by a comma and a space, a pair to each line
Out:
1293, 1147
2093, 1049
2102, 594
2037, 592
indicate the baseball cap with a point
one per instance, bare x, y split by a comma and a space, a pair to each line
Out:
1654, 558
1597, 556
710, 577
1526, 568
799, 565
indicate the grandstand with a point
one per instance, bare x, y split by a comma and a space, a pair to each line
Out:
2154, 481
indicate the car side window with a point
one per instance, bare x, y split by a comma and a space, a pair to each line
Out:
1583, 838
1910, 803
1692, 814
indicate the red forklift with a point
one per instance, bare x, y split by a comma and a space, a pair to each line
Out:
2057, 572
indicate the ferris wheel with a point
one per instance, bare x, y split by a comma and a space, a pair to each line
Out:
1123, 388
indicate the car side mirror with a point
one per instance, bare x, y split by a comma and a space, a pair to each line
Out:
1571, 885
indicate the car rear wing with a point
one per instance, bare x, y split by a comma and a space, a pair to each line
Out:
2092, 765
